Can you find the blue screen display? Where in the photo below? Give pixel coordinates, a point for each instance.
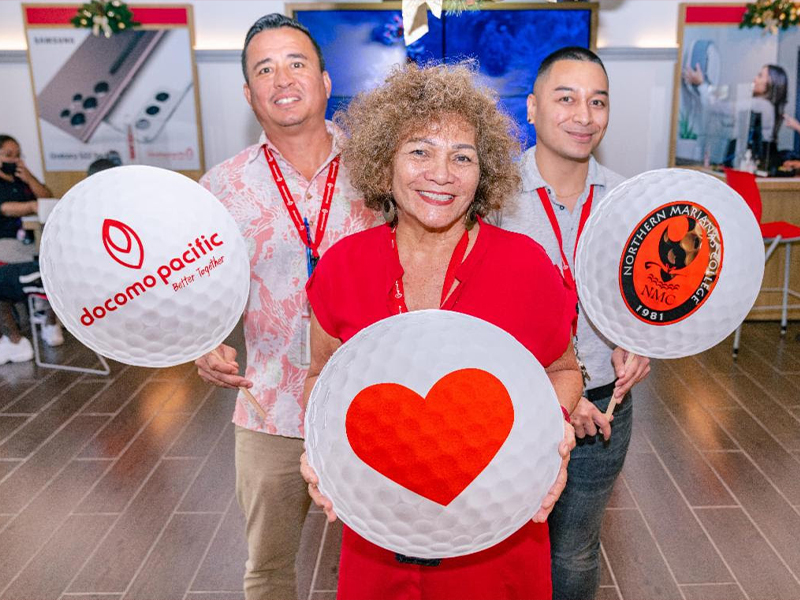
(361, 46)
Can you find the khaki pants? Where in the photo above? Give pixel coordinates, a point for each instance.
(275, 500)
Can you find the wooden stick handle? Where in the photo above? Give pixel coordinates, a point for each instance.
(614, 398)
(247, 394)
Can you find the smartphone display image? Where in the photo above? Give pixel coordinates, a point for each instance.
(151, 99)
(87, 87)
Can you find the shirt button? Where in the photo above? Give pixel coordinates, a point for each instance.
(560, 207)
(308, 196)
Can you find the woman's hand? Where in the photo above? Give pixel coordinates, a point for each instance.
(38, 188)
(312, 480)
(564, 448)
(693, 76)
(23, 174)
(220, 368)
(791, 122)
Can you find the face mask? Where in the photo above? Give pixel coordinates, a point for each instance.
(9, 168)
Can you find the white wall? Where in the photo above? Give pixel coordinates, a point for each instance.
(641, 80)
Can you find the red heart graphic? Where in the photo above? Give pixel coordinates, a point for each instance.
(437, 445)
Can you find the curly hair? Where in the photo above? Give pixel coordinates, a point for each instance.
(412, 98)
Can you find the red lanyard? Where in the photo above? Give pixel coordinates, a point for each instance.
(397, 301)
(327, 198)
(548, 208)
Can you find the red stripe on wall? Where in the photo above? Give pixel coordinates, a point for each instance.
(61, 15)
(50, 15)
(715, 14)
(160, 16)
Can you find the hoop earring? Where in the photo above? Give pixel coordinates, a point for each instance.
(389, 211)
(472, 216)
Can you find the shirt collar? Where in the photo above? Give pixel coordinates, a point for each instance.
(532, 179)
(394, 270)
(257, 150)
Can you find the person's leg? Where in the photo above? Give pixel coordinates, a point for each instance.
(578, 515)
(275, 500)
(8, 326)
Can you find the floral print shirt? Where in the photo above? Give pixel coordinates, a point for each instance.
(274, 315)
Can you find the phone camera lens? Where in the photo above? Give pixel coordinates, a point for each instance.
(77, 98)
(90, 103)
(65, 113)
(162, 96)
(78, 120)
(142, 124)
(152, 110)
(101, 88)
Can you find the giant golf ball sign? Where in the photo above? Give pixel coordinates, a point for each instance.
(434, 433)
(670, 263)
(145, 266)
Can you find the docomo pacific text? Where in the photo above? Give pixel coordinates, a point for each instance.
(196, 250)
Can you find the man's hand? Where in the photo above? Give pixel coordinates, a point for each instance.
(220, 368)
(630, 369)
(564, 448)
(313, 481)
(587, 419)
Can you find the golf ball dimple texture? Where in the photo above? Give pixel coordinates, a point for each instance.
(601, 247)
(155, 217)
(417, 350)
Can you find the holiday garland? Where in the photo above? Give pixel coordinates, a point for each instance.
(456, 7)
(108, 17)
(770, 15)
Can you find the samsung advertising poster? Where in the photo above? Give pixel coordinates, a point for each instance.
(735, 92)
(129, 96)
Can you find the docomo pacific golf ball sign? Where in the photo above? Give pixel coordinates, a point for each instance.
(670, 263)
(170, 273)
(435, 434)
(144, 266)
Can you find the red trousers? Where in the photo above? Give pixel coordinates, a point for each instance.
(517, 568)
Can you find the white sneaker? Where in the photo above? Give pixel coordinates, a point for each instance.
(52, 335)
(22, 351)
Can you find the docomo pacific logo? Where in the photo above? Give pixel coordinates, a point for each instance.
(129, 254)
(125, 247)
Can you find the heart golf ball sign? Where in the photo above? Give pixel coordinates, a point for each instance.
(435, 434)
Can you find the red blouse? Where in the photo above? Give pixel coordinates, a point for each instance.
(508, 280)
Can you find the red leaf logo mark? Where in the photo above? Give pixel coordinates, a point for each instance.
(131, 252)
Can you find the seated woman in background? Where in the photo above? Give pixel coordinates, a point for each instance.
(19, 190)
(431, 150)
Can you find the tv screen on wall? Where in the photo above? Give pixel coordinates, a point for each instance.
(362, 42)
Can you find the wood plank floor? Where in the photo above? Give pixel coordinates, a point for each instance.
(123, 487)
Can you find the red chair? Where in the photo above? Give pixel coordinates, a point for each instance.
(775, 233)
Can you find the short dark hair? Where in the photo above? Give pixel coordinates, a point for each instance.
(7, 138)
(101, 164)
(276, 21)
(568, 53)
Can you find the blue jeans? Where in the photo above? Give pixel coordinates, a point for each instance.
(576, 519)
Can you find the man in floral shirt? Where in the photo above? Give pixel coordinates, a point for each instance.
(291, 202)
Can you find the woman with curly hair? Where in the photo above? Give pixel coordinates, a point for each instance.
(431, 150)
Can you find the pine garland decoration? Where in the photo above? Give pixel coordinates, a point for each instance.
(456, 7)
(771, 15)
(106, 17)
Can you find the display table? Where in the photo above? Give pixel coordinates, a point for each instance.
(780, 200)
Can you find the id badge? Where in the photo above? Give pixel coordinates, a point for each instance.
(305, 338)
